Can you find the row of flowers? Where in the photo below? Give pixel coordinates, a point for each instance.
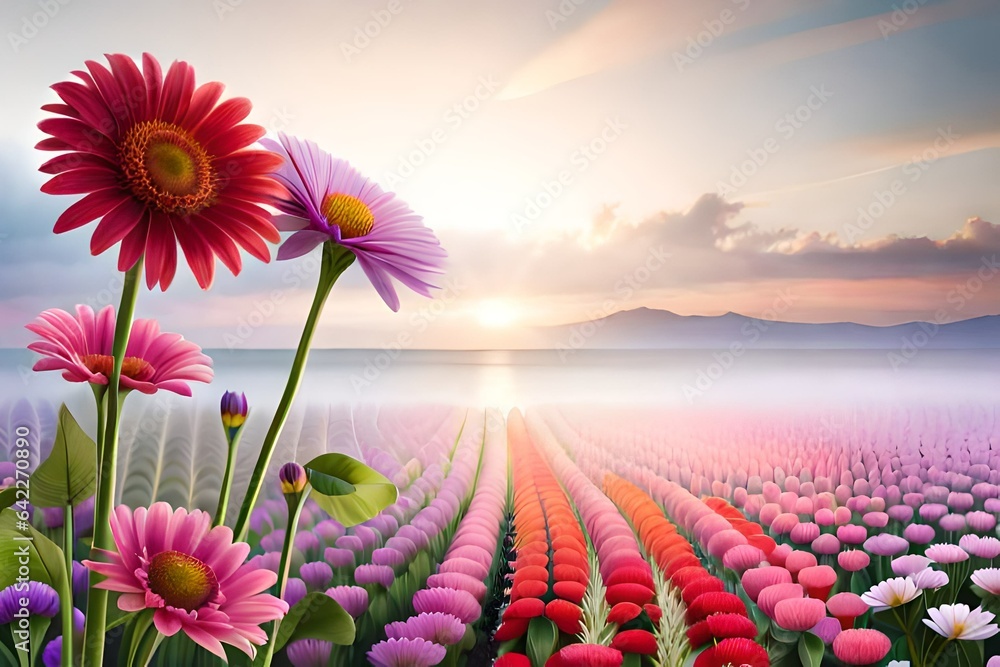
(384, 562)
(448, 611)
(711, 617)
(618, 609)
(551, 569)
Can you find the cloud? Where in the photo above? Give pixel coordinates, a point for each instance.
(713, 243)
(630, 31)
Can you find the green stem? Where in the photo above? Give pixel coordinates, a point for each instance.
(140, 642)
(227, 479)
(97, 600)
(909, 639)
(295, 505)
(336, 259)
(933, 660)
(100, 396)
(66, 604)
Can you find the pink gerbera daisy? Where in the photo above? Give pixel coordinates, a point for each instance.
(193, 575)
(161, 163)
(331, 201)
(81, 348)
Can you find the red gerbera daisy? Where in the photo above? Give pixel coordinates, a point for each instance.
(735, 651)
(635, 641)
(161, 163)
(592, 655)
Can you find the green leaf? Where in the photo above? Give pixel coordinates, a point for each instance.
(316, 616)
(23, 546)
(861, 582)
(8, 497)
(22, 646)
(811, 650)
(899, 650)
(69, 475)
(37, 627)
(7, 656)
(779, 634)
(542, 640)
(970, 654)
(347, 489)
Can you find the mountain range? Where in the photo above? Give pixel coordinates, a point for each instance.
(647, 328)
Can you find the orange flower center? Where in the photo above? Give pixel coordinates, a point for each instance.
(349, 213)
(167, 169)
(181, 580)
(132, 367)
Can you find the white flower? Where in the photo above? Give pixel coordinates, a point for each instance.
(957, 621)
(891, 593)
(899, 663)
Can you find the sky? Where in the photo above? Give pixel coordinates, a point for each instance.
(714, 155)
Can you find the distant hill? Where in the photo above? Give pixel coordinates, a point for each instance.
(646, 328)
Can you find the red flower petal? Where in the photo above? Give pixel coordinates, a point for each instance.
(531, 588)
(737, 651)
(524, 608)
(701, 585)
(512, 660)
(565, 615)
(573, 591)
(511, 629)
(635, 641)
(707, 604)
(630, 575)
(591, 655)
(569, 573)
(623, 612)
(635, 593)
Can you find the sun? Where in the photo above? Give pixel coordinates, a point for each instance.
(497, 313)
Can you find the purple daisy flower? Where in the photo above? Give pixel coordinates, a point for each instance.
(376, 574)
(42, 600)
(331, 201)
(406, 653)
(458, 603)
(353, 599)
(295, 590)
(317, 575)
(886, 544)
(437, 627)
(309, 653)
(338, 557)
(388, 556)
(52, 655)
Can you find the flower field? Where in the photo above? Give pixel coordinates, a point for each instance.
(140, 530)
(558, 537)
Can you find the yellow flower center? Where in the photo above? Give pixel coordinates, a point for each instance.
(167, 169)
(132, 367)
(957, 630)
(349, 213)
(181, 580)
